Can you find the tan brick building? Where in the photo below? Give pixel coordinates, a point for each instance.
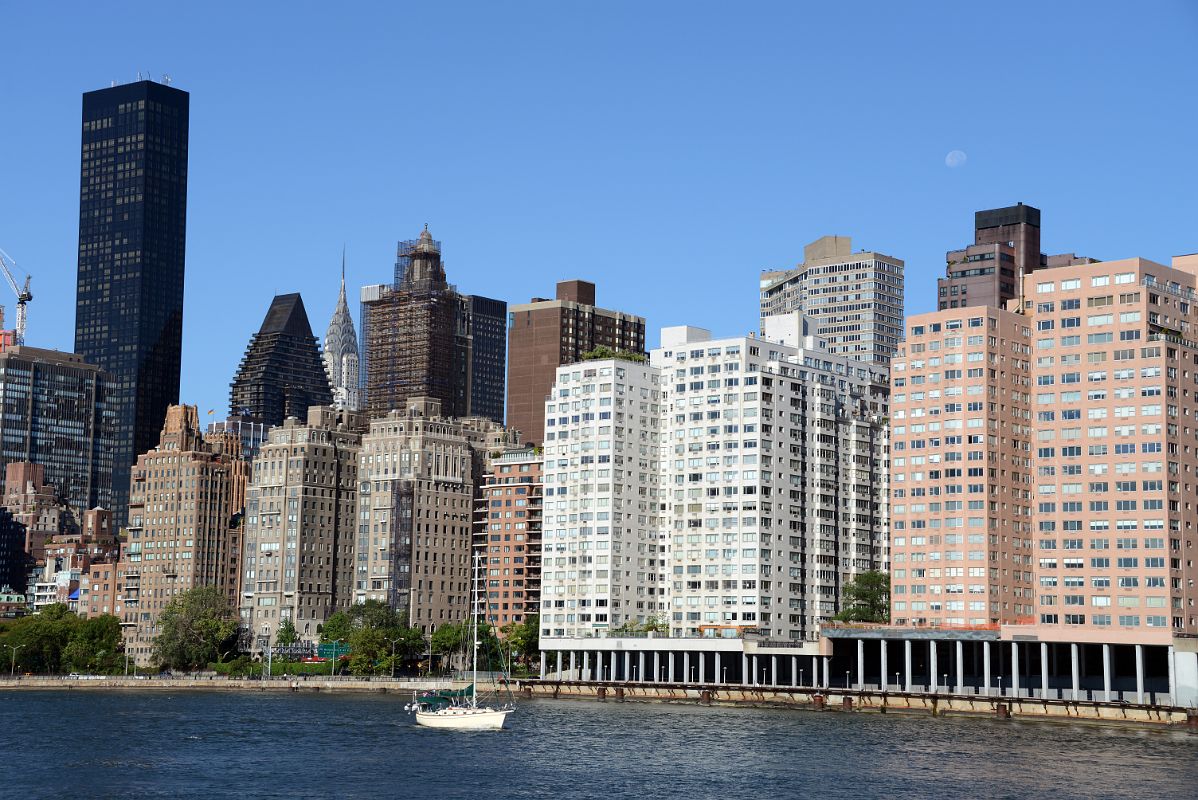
(184, 529)
(544, 334)
(508, 530)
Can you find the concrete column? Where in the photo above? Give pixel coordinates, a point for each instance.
(773, 670)
(670, 661)
(627, 665)
(1043, 669)
(1106, 671)
(1172, 659)
(611, 675)
(559, 665)
(960, 667)
(827, 671)
(542, 665)
(1074, 671)
(986, 667)
(753, 663)
(814, 671)
(885, 666)
(906, 665)
(640, 666)
(702, 667)
(718, 677)
(686, 667)
(657, 666)
(1014, 669)
(586, 666)
(861, 663)
(794, 671)
(744, 668)
(1139, 673)
(934, 664)
(574, 664)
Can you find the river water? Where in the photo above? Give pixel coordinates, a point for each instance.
(123, 744)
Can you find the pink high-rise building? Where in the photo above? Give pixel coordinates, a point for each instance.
(1046, 460)
(961, 485)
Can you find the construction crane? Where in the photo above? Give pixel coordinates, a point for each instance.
(23, 294)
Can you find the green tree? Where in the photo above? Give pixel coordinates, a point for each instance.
(95, 645)
(41, 639)
(454, 640)
(524, 638)
(286, 635)
(366, 647)
(338, 627)
(866, 598)
(603, 352)
(197, 627)
(369, 629)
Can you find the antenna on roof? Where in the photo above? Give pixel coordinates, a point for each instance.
(166, 79)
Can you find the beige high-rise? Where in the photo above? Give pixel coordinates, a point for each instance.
(300, 522)
(184, 530)
(417, 472)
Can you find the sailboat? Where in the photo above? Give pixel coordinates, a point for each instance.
(459, 710)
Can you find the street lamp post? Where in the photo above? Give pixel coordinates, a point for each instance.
(14, 647)
(800, 676)
(898, 686)
(393, 641)
(725, 675)
(944, 683)
(847, 683)
(333, 668)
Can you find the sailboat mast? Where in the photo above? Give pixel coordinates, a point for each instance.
(474, 631)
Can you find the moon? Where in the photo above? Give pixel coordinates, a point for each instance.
(955, 158)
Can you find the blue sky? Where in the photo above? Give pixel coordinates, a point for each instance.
(667, 151)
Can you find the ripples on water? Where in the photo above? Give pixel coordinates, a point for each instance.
(214, 745)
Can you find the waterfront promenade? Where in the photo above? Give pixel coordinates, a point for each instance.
(941, 703)
(205, 682)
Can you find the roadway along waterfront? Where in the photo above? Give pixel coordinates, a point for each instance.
(189, 744)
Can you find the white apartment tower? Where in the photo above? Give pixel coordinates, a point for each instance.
(775, 462)
(603, 537)
(855, 300)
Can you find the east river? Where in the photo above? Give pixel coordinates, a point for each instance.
(126, 744)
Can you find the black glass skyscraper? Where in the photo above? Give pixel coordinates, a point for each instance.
(132, 231)
(487, 319)
(282, 373)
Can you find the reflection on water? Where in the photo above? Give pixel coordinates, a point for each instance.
(213, 745)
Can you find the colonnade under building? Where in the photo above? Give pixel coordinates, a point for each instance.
(960, 663)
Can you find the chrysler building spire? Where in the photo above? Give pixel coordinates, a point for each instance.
(341, 353)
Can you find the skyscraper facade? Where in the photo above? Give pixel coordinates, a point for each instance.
(775, 474)
(415, 343)
(1088, 439)
(300, 523)
(961, 542)
(58, 413)
(282, 374)
(185, 528)
(132, 236)
(545, 334)
(1005, 249)
(487, 328)
(854, 299)
(507, 529)
(603, 562)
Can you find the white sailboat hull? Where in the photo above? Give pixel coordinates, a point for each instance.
(464, 719)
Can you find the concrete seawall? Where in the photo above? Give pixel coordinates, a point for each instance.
(278, 684)
(866, 701)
